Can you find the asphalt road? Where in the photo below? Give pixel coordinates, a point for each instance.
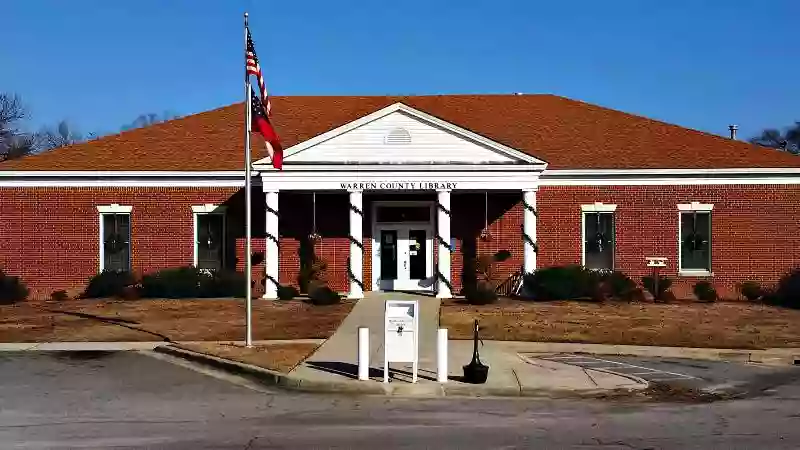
(130, 400)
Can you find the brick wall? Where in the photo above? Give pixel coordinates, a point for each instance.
(50, 236)
(755, 229)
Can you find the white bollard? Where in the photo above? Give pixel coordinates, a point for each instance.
(441, 355)
(363, 353)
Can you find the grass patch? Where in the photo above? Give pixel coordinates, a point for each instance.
(175, 320)
(278, 357)
(717, 325)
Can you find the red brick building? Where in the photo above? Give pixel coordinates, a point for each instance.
(401, 191)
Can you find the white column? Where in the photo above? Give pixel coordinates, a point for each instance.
(271, 257)
(529, 229)
(356, 274)
(443, 278)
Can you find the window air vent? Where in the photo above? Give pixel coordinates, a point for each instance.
(398, 136)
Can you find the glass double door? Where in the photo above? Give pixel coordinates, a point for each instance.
(406, 257)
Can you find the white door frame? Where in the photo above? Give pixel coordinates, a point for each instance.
(428, 284)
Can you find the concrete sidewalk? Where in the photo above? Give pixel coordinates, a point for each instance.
(511, 374)
(334, 366)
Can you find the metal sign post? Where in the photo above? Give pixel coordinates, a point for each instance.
(401, 335)
(656, 263)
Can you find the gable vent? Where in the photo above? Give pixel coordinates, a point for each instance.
(398, 136)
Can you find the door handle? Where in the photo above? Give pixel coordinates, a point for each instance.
(405, 264)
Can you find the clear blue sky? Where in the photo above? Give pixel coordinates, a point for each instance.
(698, 63)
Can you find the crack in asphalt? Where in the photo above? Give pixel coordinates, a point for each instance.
(250, 443)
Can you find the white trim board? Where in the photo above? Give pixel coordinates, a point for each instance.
(16, 179)
(695, 206)
(466, 180)
(645, 177)
(599, 207)
(209, 208)
(114, 209)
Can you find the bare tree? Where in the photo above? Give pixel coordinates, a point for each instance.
(62, 135)
(13, 142)
(146, 120)
(788, 140)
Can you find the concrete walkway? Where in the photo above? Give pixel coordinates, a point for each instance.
(339, 354)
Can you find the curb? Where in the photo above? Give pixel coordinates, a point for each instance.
(421, 390)
(265, 376)
(78, 346)
(771, 356)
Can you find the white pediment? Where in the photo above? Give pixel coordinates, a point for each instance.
(399, 134)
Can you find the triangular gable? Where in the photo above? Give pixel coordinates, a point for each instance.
(400, 134)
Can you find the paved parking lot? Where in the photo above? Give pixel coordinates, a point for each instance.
(715, 376)
(101, 400)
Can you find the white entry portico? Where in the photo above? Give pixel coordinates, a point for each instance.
(399, 149)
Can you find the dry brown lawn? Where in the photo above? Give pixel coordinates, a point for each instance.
(278, 357)
(175, 320)
(715, 325)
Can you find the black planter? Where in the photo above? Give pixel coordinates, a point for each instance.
(476, 372)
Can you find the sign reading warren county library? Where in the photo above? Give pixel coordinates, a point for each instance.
(401, 185)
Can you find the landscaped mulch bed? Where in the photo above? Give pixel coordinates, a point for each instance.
(713, 325)
(279, 357)
(176, 320)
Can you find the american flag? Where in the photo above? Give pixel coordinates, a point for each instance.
(260, 123)
(254, 68)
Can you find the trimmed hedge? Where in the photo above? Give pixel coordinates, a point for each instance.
(287, 292)
(109, 283)
(12, 289)
(664, 284)
(705, 292)
(787, 292)
(191, 282)
(482, 293)
(319, 294)
(620, 286)
(59, 296)
(751, 290)
(563, 283)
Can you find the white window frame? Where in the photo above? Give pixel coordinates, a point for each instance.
(602, 208)
(114, 208)
(705, 208)
(206, 209)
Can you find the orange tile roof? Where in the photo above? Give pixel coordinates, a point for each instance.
(568, 134)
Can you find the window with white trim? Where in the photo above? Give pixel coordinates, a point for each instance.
(209, 237)
(695, 238)
(115, 238)
(598, 236)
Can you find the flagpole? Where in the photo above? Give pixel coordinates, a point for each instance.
(248, 207)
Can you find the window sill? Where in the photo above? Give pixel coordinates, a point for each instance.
(695, 273)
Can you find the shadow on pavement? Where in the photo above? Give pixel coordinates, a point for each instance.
(113, 321)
